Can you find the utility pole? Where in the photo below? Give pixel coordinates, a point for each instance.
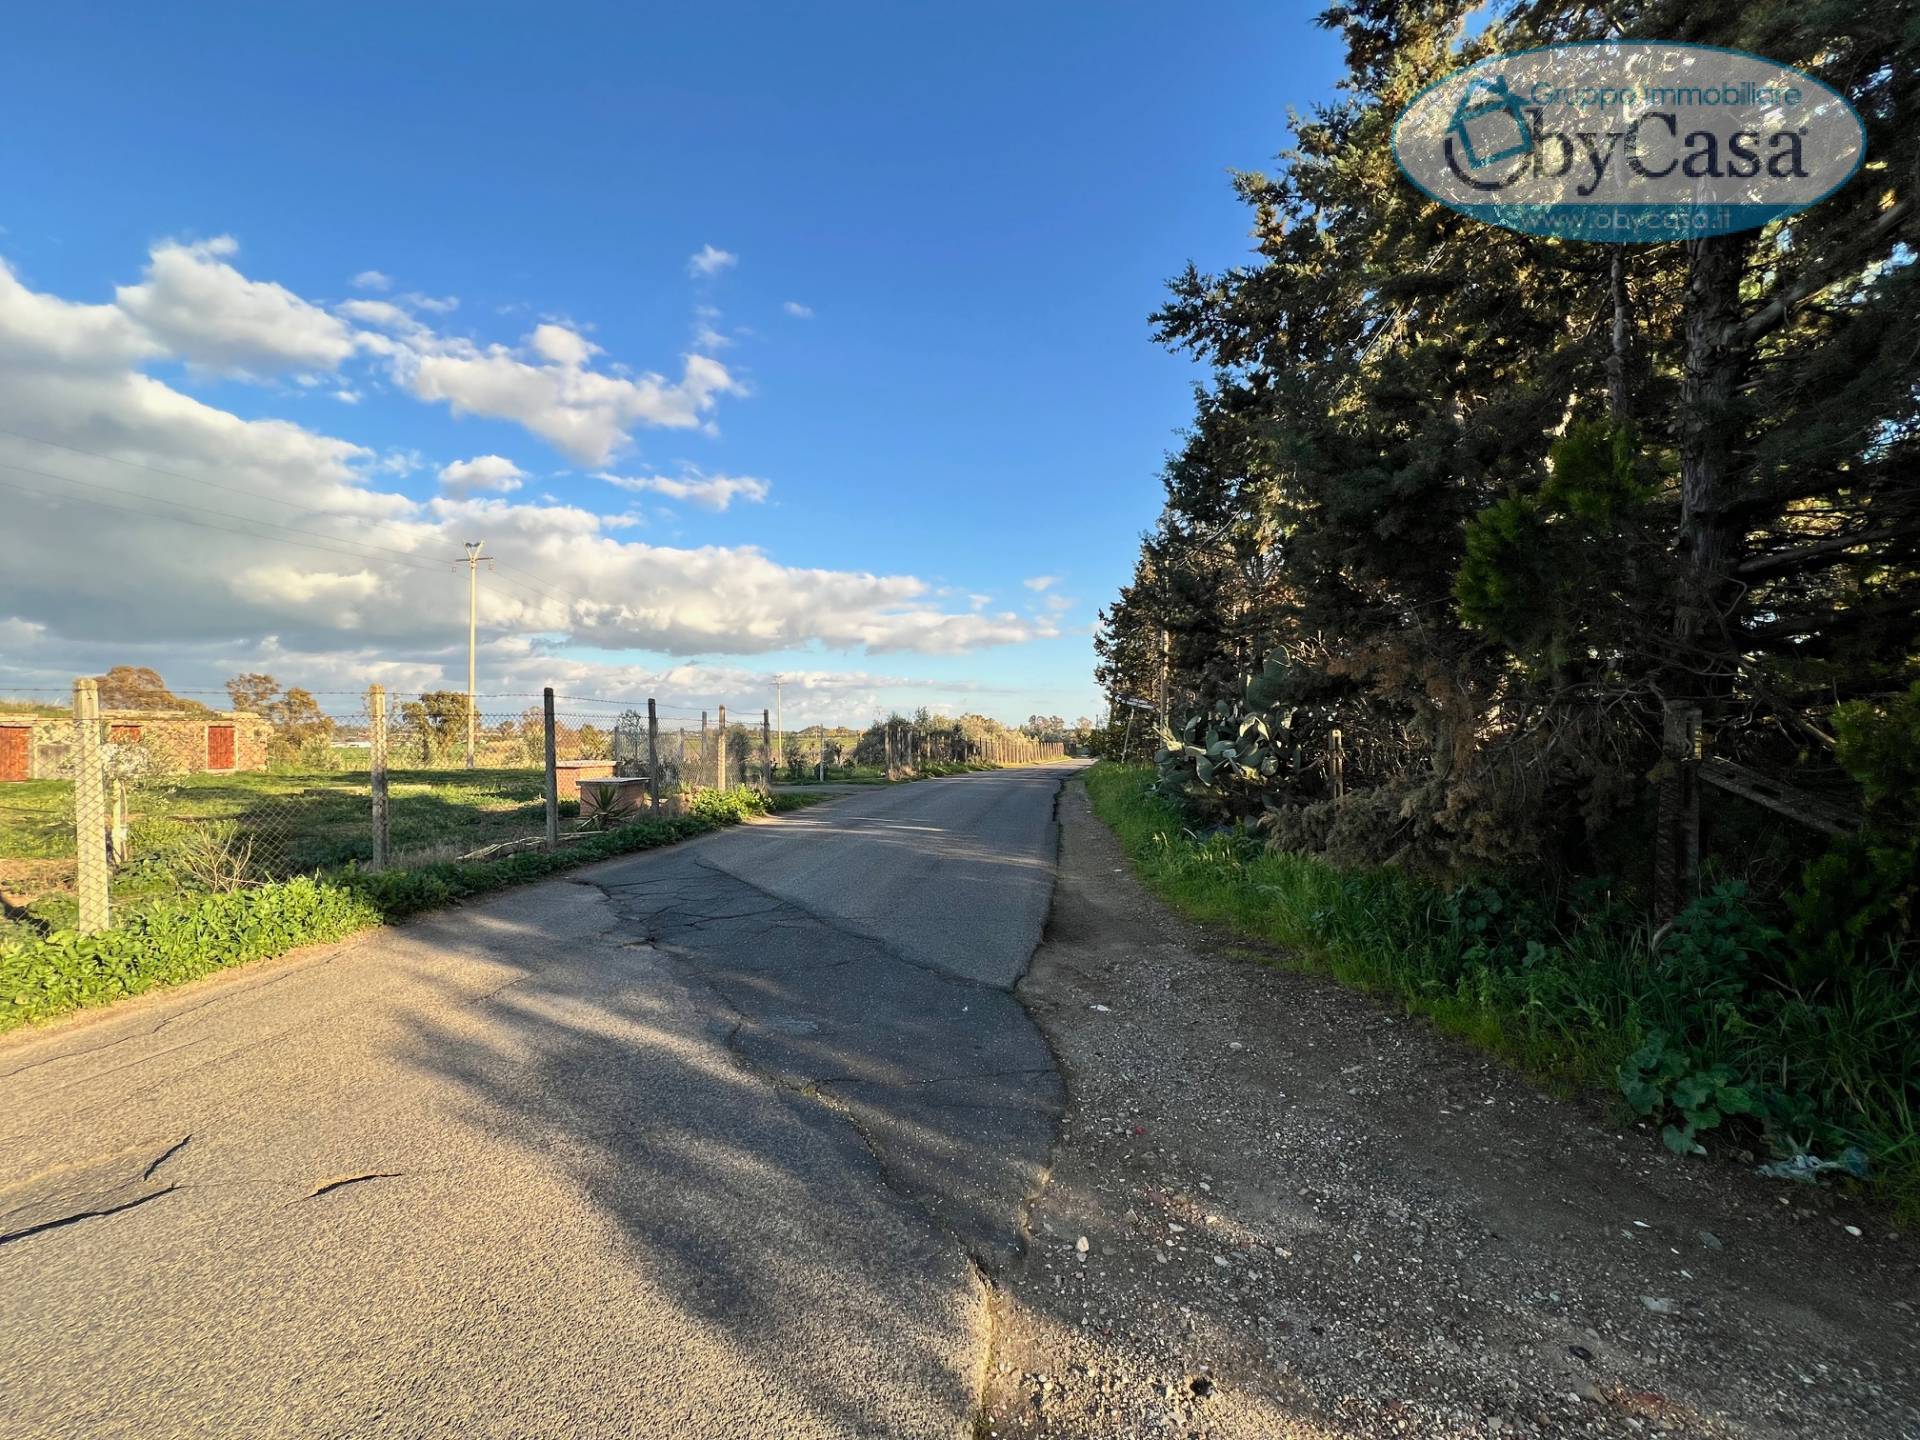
(472, 559)
(779, 745)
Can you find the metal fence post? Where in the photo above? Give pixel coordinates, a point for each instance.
(653, 756)
(377, 772)
(90, 810)
(720, 763)
(552, 747)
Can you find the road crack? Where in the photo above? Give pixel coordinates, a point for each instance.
(61, 1222)
(338, 1182)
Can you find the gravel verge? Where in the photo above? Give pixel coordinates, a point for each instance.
(1279, 1209)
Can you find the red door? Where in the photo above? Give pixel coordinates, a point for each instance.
(123, 734)
(219, 747)
(14, 741)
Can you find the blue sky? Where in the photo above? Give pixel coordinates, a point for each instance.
(934, 237)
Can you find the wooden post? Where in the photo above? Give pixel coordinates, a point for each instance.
(720, 763)
(1337, 763)
(1676, 848)
(823, 752)
(653, 757)
(766, 754)
(553, 769)
(377, 772)
(703, 748)
(90, 811)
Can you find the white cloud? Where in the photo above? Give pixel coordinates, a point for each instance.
(209, 314)
(587, 413)
(1055, 604)
(372, 280)
(709, 261)
(44, 332)
(216, 541)
(797, 310)
(483, 472)
(1040, 582)
(433, 305)
(384, 315)
(562, 346)
(715, 492)
(400, 462)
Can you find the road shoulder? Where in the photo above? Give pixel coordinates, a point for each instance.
(1278, 1209)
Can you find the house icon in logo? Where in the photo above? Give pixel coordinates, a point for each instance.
(1489, 125)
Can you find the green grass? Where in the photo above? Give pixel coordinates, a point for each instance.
(180, 937)
(287, 824)
(1570, 1002)
(306, 819)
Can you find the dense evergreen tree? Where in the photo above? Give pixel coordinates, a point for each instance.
(1501, 507)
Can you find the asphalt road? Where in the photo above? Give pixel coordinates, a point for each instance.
(708, 1142)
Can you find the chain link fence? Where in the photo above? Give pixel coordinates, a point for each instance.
(110, 808)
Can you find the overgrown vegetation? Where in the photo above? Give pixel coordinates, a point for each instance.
(1503, 510)
(1706, 1035)
(181, 938)
(1499, 566)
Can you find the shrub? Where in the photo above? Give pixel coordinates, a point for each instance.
(172, 941)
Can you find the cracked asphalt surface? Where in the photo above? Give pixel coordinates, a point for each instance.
(714, 1140)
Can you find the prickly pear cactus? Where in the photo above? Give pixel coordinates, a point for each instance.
(1226, 759)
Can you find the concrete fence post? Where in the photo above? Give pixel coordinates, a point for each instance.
(720, 758)
(377, 772)
(653, 757)
(766, 753)
(701, 771)
(90, 810)
(551, 746)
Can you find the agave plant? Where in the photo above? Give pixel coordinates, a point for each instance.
(607, 803)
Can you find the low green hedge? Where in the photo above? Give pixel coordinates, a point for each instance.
(181, 939)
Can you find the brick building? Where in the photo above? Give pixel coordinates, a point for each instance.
(38, 746)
